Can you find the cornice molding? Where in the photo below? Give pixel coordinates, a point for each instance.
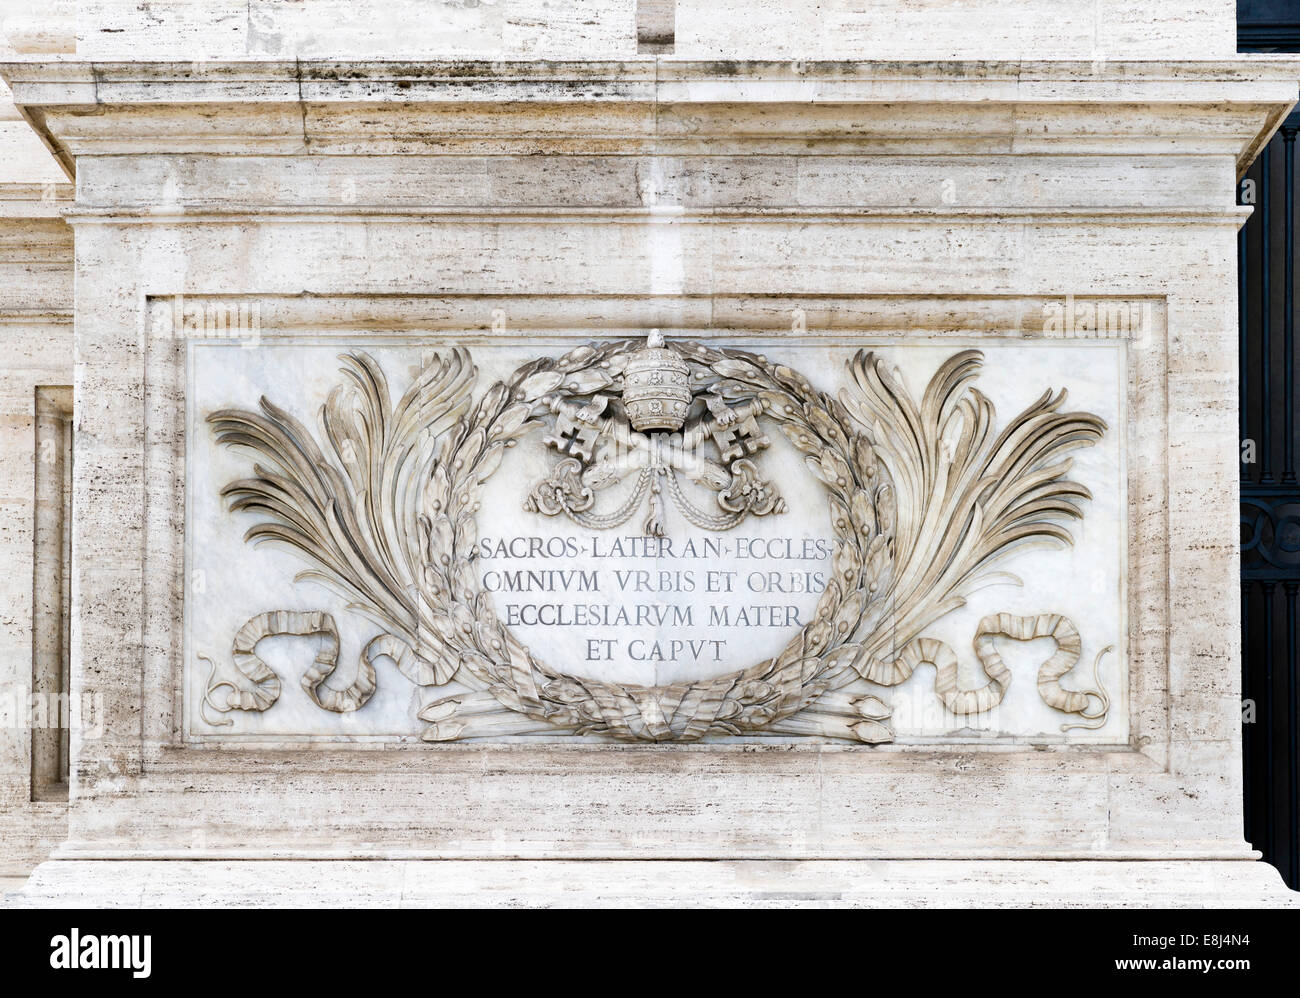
(659, 78)
(576, 318)
(660, 105)
(35, 316)
(424, 214)
(24, 201)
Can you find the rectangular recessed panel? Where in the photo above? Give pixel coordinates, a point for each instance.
(447, 537)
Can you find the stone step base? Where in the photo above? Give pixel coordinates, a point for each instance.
(652, 883)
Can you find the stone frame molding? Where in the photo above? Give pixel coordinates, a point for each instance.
(959, 319)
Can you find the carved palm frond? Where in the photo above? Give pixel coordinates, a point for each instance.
(965, 497)
(354, 512)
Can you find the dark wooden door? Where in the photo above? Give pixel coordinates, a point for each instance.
(1270, 494)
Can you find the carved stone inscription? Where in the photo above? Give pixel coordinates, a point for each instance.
(655, 609)
(649, 539)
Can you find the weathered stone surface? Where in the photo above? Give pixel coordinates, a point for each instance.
(36, 332)
(560, 883)
(529, 205)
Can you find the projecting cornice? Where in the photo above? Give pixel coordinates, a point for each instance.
(657, 105)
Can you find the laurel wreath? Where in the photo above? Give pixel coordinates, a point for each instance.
(837, 450)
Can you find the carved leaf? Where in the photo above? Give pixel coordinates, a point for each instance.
(872, 732)
(541, 383)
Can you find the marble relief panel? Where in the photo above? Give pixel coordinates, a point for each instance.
(656, 539)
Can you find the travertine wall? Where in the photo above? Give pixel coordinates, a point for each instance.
(374, 200)
(394, 29)
(967, 29)
(36, 337)
(1093, 30)
(770, 225)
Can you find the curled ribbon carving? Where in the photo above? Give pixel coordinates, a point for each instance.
(424, 668)
(266, 684)
(931, 651)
